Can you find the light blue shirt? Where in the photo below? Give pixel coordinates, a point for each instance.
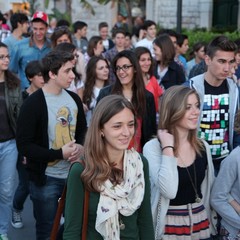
(10, 42)
(23, 52)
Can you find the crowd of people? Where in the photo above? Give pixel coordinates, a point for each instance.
(151, 136)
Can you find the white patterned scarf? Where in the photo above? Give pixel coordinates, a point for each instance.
(125, 198)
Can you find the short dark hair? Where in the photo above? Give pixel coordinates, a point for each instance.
(117, 31)
(65, 46)
(63, 22)
(148, 23)
(59, 32)
(78, 25)
(53, 61)
(33, 68)
(18, 18)
(169, 32)
(102, 25)
(181, 38)
(221, 43)
(128, 34)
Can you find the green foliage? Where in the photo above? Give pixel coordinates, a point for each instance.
(58, 15)
(202, 35)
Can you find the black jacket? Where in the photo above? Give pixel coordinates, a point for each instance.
(149, 118)
(32, 134)
(174, 75)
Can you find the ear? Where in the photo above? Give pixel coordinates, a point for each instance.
(52, 75)
(207, 60)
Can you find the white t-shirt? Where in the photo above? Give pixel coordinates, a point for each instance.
(146, 43)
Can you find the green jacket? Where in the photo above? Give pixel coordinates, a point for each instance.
(138, 226)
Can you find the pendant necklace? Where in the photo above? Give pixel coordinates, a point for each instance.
(194, 184)
(121, 224)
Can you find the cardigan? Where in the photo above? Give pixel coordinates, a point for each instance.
(149, 117)
(32, 134)
(138, 226)
(164, 185)
(225, 189)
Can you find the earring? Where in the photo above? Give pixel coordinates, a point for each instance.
(102, 135)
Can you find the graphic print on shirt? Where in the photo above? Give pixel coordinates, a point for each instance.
(214, 124)
(64, 130)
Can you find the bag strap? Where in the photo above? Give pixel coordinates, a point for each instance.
(61, 204)
(85, 214)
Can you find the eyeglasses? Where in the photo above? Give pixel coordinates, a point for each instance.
(124, 68)
(2, 57)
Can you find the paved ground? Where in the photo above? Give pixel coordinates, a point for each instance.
(28, 230)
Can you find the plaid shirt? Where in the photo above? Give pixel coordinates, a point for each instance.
(4, 34)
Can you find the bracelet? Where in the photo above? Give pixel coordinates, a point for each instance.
(167, 147)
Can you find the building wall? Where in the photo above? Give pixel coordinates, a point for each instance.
(195, 13)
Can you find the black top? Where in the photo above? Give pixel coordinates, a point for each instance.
(174, 75)
(186, 193)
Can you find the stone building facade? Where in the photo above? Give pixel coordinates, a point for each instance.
(195, 13)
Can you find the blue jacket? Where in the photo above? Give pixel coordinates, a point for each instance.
(25, 51)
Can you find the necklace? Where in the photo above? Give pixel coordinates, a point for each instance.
(121, 224)
(194, 184)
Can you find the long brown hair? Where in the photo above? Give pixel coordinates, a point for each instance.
(172, 109)
(138, 88)
(11, 80)
(97, 165)
(168, 50)
(91, 77)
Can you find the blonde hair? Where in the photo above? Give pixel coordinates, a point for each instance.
(172, 109)
(97, 166)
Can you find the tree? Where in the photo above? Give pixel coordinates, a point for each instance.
(87, 5)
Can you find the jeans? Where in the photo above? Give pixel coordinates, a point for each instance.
(22, 190)
(45, 203)
(8, 160)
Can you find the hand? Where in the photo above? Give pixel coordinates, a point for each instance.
(24, 161)
(142, 34)
(85, 108)
(77, 153)
(68, 149)
(236, 206)
(165, 138)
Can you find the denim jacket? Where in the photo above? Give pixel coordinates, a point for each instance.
(23, 52)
